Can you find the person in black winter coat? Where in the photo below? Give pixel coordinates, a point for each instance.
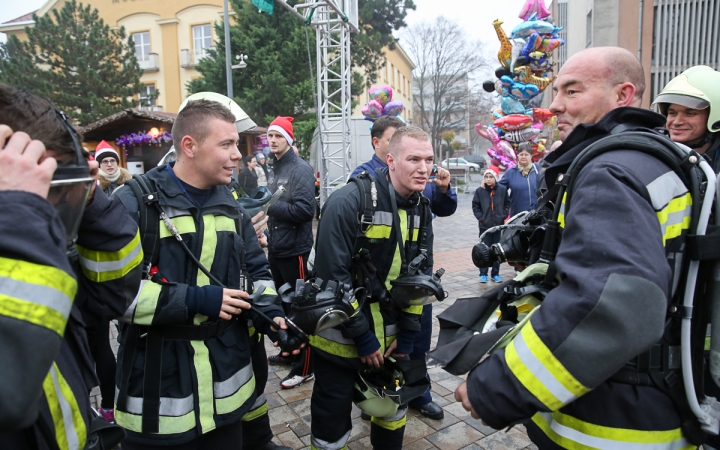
(248, 178)
(490, 206)
(290, 225)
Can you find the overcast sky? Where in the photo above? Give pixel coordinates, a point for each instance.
(475, 17)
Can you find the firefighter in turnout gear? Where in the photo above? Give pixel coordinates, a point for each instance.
(66, 251)
(349, 252)
(185, 377)
(576, 375)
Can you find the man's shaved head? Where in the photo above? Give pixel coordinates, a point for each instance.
(592, 83)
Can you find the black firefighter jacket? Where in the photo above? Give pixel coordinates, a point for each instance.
(41, 314)
(336, 245)
(491, 206)
(290, 218)
(207, 383)
(622, 235)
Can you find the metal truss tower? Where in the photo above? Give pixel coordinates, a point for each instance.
(333, 21)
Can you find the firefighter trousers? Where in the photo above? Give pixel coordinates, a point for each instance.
(256, 423)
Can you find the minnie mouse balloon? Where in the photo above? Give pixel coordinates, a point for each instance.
(372, 110)
(382, 94)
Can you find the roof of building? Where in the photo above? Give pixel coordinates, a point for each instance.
(23, 18)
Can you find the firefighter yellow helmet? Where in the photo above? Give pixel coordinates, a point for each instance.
(696, 88)
(243, 122)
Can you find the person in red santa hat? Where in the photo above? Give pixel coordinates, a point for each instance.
(111, 175)
(290, 226)
(490, 206)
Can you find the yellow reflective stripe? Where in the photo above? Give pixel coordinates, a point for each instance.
(675, 217)
(168, 425)
(101, 266)
(223, 223)
(255, 413)
(39, 275)
(70, 429)
(572, 433)
(534, 365)
(417, 310)
(229, 404)
(395, 267)
(201, 358)
(184, 225)
(39, 315)
(379, 324)
(234, 194)
(561, 213)
(209, 244)
(334, 348)
(392, 425)
(378, 232)
(147, 303)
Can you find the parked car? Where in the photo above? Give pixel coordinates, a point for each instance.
(477, 159)
(460, 163)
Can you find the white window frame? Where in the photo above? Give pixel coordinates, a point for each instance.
(147, 95)
(143, 45)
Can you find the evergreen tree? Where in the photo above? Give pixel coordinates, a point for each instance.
(276, 81)
(76, 60)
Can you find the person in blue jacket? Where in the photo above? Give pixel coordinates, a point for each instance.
(521, 181)
(443, 203)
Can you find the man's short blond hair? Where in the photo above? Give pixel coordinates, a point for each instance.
(411, 132)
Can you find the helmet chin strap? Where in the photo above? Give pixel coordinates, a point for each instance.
(704, 140)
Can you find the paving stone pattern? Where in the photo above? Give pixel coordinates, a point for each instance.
(289, 410)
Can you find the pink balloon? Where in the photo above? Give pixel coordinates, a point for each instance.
(372, 110)
(506, 148)
(382, 94)
(536, 7)
(393, 108)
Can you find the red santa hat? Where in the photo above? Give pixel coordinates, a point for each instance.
(105, 150)
(283, 125)
(494, 171)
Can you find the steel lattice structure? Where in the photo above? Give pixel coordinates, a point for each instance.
(333, 21)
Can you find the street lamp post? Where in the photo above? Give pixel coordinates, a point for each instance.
(228, 69)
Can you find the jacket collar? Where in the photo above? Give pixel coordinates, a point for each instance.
(287, 159)
(220, 200)
(585, 134)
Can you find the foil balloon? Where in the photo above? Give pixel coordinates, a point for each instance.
(533, 25)
(393, 108)
(539, 61)
(382, 94)
(548, 45)
(511, 105)
(498, 113)
(499, 160)
(528, 134)
(526, 76)
(542, 114)
(505, 52)
(534, 8)
(372, 110)
(513, 122)
(532, 43)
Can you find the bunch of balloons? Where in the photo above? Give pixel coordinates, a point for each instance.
(526, 70)
(382, 104)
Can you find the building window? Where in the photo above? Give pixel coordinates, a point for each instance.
(588, 29)
(142, 45)
(147, 96)
(202, 37)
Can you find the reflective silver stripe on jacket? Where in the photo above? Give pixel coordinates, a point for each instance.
(130, 313)
(169, 407)
(665, 188)
(383, 218)
(37, 294)
(259, 401)
(71, 433)
(109, 266)
(336, 336)
(222, 389)
(268, 284)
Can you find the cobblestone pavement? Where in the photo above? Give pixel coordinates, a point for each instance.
(289, 410)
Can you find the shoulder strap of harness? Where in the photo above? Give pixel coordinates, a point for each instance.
(146, 193)
(362, 268)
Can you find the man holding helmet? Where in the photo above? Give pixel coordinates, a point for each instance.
(385, 254)
(76, 234)
(687, 102)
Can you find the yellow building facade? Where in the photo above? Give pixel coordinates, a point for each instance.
(170, 37)
(397, 74)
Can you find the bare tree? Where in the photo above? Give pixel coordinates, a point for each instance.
(444, 61)
(481, 108)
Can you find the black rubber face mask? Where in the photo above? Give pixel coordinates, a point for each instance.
(70, 186)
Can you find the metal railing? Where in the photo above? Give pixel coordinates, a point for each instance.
(150, 63)
(190, 58)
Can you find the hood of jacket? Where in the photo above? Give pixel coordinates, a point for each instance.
(124, 176)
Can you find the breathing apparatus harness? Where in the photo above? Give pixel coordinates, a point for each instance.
(151, 213)
(412, 287)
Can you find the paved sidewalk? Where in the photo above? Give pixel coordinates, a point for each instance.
(290, 409)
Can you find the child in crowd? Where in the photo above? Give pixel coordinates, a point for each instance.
(490, 206)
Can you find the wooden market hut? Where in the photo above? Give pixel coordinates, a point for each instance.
(133, 120)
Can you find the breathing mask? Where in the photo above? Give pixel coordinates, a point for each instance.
(415, 288)
(317, 305)
(70, 186)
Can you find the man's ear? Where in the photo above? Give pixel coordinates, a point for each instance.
(188, 146)
(626, 94)
(375, 143)
(390, 160)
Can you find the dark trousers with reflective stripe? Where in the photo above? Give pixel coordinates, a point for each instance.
(256, 432)
(420, 348)
(288, 270)
(331, 405)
